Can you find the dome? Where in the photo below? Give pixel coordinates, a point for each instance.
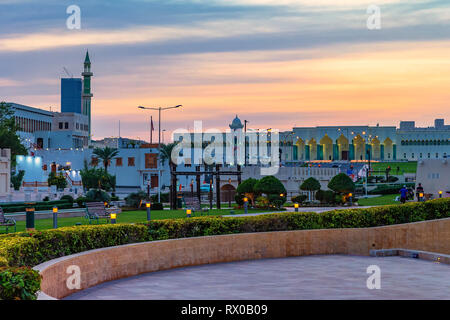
(236, 124)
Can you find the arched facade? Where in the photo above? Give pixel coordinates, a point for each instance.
(343, 148)
(327, 148)
(300, 144)
(312, 144)
(359, 145)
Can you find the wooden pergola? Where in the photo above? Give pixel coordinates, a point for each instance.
(217, 173)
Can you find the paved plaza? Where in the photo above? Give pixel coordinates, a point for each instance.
(309, 277)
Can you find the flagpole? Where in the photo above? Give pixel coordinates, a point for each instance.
(151, 129)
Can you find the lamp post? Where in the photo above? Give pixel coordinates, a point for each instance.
(159, 140)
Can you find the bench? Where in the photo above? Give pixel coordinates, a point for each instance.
(6, 222)
(96, 211)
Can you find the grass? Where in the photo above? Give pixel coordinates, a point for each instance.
(128, 217)
(405, 167)
(379, 201)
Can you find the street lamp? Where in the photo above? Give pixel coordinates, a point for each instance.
(159, 139)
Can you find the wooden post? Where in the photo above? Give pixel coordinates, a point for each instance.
(218, 186)
(197, 177)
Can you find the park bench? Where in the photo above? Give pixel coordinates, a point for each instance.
(96, 211)
(6, 222)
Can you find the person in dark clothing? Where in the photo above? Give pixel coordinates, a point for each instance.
(419, 190)
(403, 194)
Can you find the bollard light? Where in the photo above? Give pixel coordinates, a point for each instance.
(55, 217)
(281, 195)
(421, 195)
(188, 213)
(245, 199)
(148, 206)
(440, 193)
(296, 207)
(106, 204)
(350, 194)
(113, 217)
(245, 205)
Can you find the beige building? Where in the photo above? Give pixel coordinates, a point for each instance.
(5, 172)
(434, 175)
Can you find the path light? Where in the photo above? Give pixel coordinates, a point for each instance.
(296, 207)
(55, 217)
(148, 206)
(245, 205)
(281, 195)
(440, 193)
(113, 218)
(188, 213)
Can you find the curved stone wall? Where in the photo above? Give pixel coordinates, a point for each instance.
(101, 265)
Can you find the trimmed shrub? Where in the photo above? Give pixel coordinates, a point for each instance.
(97, 195)
(135, 198)
(326, 196)
(299, 199)
(19, 284)
(341, 183)
(164, 197)
(67, 198)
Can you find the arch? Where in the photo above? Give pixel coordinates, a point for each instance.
(376, 149)
(327, 145)
(359, 144)
(300, 149)
(312, 143)
(388, 149)
(343, 147)
(227, 192)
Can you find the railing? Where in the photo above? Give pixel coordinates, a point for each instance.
(34, 184)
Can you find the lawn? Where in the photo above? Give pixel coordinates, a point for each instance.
(405, 167)
(379, 201)
(129, 217)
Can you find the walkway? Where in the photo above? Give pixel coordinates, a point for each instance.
(311, 277)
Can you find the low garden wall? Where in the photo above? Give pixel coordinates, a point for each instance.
(353, 231)
(108, 264)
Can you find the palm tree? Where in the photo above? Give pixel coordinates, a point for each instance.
(106, 155)
(166, 153)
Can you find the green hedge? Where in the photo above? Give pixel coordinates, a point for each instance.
(19, 283)
(39, 206)
(32, 248)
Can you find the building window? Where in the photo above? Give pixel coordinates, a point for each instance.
(151, 160)
(421, 155)
(66, 125)
(412, 155)
(78, 126)
(437, 155)
(429, 155)
(60, 125)
(404, 155)
(118, 162)
(131, 161)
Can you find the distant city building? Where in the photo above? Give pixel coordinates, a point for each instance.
(68, 129)
(71, 89)
(359, 143)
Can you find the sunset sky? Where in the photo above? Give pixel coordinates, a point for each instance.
(276, 63)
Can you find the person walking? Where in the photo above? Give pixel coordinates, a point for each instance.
(419, 190)
(403, 194)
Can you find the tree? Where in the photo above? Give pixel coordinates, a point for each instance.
(57, 180)
(9, 138)
(166, 152)
(311, 184)
(106, 155)
(247, 189)
(273, 188)
(342, 184)
(97, 178)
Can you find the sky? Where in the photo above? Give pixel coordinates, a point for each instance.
(276, 63)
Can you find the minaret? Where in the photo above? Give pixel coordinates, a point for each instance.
(87, 95)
